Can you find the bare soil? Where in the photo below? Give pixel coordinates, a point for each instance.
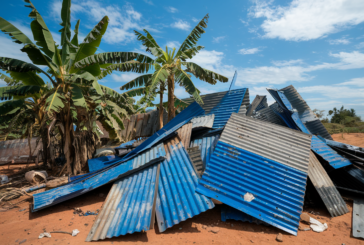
(356, 139)
(18, 226)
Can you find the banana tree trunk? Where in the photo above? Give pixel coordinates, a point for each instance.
(171, 110)
(44, 135)
(161, 108)
(68, 139)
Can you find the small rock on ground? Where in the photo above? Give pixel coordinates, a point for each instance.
(214, 229)
(279, 237)
(204, 226)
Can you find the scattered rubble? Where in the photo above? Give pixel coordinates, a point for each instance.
(255, 145)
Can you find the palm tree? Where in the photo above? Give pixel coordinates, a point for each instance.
(171, 67)
(73, 71)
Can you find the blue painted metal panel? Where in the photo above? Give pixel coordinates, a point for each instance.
(128, 207)
(335, 160)
(129, 143)
(92, 181)
(206, 146)
(233, 176)
(230, 103)
(101, 162)
(328, 154)
(181, 119)
(285, 115)
(177, 199)
(228, 212)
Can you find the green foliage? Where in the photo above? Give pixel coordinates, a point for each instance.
(344, 116)
(170, 65)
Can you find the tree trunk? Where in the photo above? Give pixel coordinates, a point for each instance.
(161, 108)
(44, 135)
(68, 139)
(171, 110)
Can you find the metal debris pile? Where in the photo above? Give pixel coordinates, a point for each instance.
(256, 159)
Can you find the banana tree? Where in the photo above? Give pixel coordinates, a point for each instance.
(171, 67)
(25, 111)
(72, 69)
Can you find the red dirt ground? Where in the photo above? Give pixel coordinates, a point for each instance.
(16, 225)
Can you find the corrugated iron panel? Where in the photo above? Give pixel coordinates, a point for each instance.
(328, 154)
(203, 121)
(209, 100)
(285, 115)
(316, 127)
(305, 113)
(177, 199)
(206, 146)
(263, 188)
(255, 184)
(88, 182)
(245, 104)
(181, 119)
(129, 206)
(229, 104)
(18, 150)
(268, 115)
(184, 134)
(281, 144)
(356, 150)
(358, 218)
(259, 102)
(325, 188)
(195, 156)
(228, 212)
(349, 179)
(101, 162)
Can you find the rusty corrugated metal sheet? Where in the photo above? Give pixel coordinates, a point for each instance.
(259, 102)
(184, 133)
(325, 188)
(205, 121)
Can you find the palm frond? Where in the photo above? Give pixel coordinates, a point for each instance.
(194, 36)
(204, 74)
(149, 42)
(137, 82)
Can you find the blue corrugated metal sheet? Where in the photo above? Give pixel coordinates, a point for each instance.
(206, 146)
(181, 119)
(317, 145)
(228, 212)
(91, 181)
(177, 199)
(128, 207)
(233, 175)
(101, 162)
(230, 103)
(284, 114)
(328, 154)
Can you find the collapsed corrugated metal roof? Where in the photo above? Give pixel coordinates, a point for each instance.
(205, 121)
(292, 119)
(181, 119)
(259, 103)
(88, 182)
(177, 199)
(230, 103)
(268, 115)
(129, 206)
(268, 184)
(328, 154)
(228, 212)
(305, 113)
(184, 134)
(206, 146)
(209, 100)
(325, 188)
(95, 164)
